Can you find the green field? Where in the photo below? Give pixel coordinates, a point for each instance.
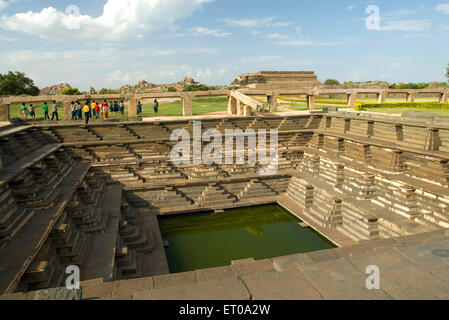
(199, 105)
(303, 106)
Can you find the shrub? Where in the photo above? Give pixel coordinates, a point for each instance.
(331, 82)
(324, 101)
(423, 105)
(410, 86)
(358, 106)
(107, 91)
(70, 92)
(171, 89)
(196, 87)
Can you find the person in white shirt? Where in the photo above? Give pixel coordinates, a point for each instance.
(73, 107)
(54, 111)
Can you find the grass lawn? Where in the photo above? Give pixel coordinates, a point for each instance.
(14, 110)
(199, 105)
(400, 110)
(301, 106)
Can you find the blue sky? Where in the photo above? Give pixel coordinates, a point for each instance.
(108, 43)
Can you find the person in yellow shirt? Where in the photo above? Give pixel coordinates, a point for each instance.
(92, 108)
(86, 110)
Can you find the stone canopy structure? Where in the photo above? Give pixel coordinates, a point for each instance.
(277, 80)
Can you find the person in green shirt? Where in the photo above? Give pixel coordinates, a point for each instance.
(24, 111)
(46, 115)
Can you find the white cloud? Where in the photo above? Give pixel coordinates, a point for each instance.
(120, 20)
(351, 7)
(256, 23)
(118, 76)
(5, 3)
(7, 39)
(277, 36)
(200, 31)
(314, 43)
(443, 8)
(108, 67)
(204, 74)
(399, 13)
(406, 25)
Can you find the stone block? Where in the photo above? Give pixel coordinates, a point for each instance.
(289, 285)
(123, 288)
(173, 280)
(255, 267)
(58, 294)
(204, 290)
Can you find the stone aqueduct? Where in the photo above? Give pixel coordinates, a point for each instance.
(240, 102)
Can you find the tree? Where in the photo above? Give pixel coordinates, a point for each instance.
(70, 92)
(171, 89)
(107, 91)
(410, 86)
(16, 84)
(331, 82)
(194, 87)
(447, 72)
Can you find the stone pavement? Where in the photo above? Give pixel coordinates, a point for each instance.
(412, 267)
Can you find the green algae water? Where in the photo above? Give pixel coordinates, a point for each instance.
(206, 240)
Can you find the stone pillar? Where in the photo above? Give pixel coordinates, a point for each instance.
(187, 104)
(310, 102)
(4, 112)
(381, 97)
(272, 101)
(352, 99)
(411, 97)
(232, 105)
(67, 110)
(132, 110)
(443, 97)
(247, 111)
(240, 107)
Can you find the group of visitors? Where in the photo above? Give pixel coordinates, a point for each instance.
(155, 107)
(90, 110)
(32, 112)
(95, 110)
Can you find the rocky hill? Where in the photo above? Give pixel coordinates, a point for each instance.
(145, 86)
(56, 89)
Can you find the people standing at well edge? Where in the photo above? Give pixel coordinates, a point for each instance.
(92, 109)
(73, 107)
(122, 108)
(24, 110)
(156, 106)
(139, 108)
(87, 111)
(97, 110)
(54, 111)
(79, 110)
(32, 112)
(45, 108)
